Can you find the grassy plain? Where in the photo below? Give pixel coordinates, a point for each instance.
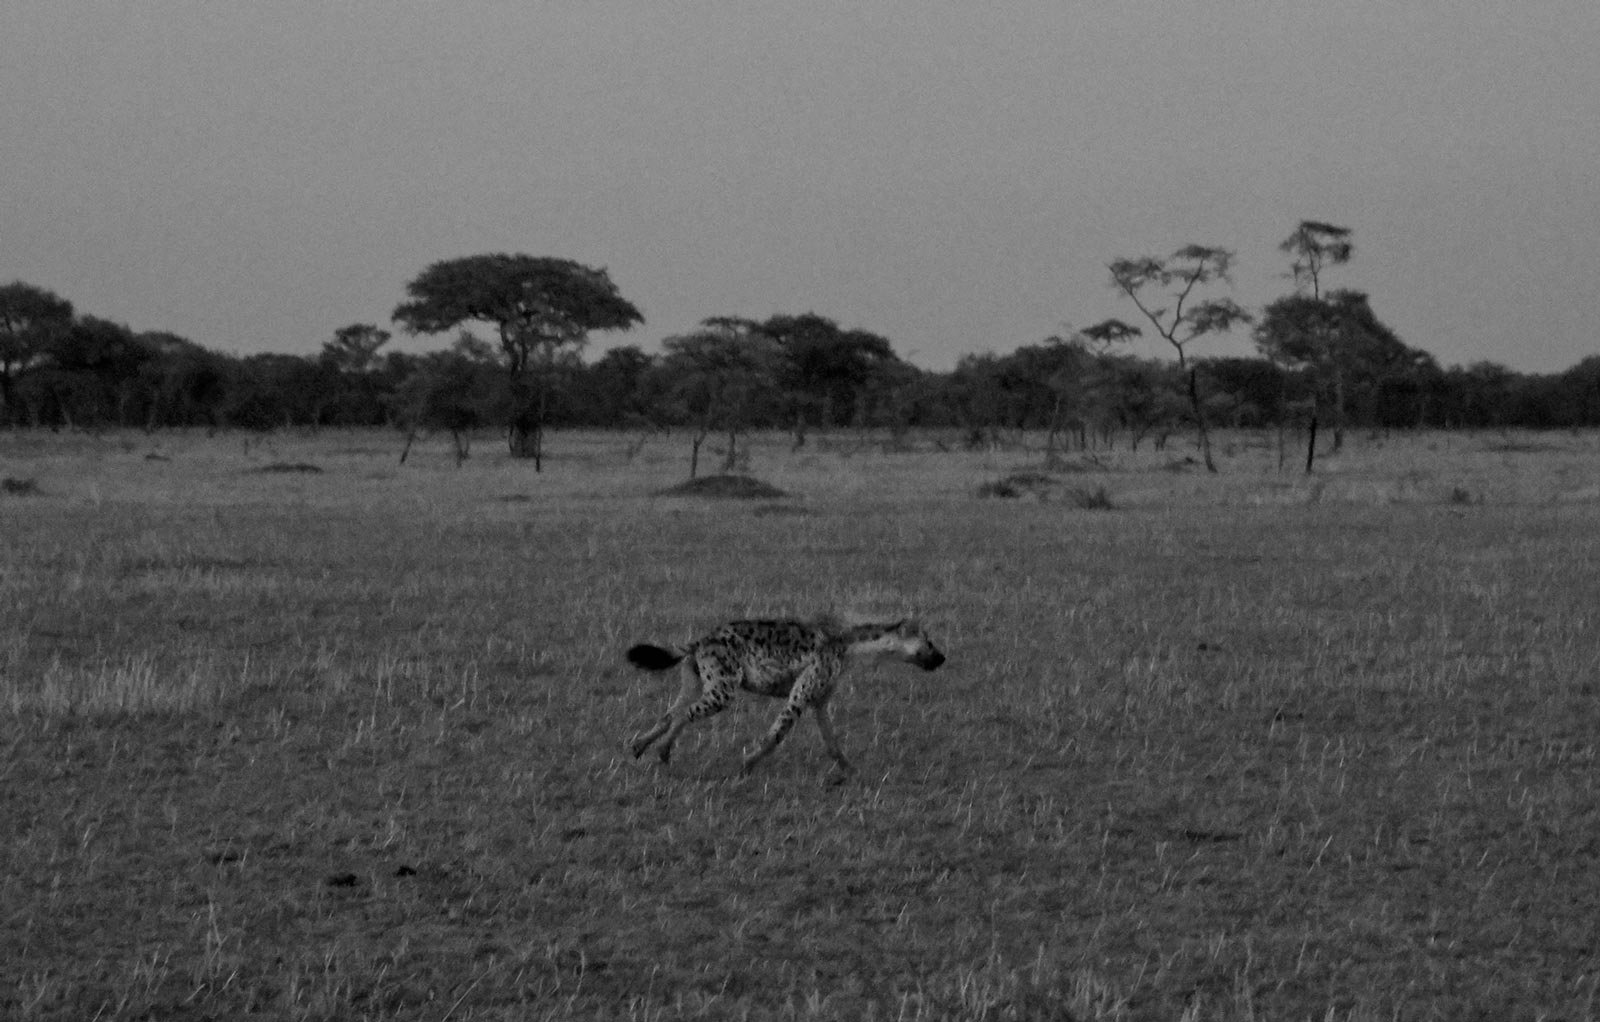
(348, 744)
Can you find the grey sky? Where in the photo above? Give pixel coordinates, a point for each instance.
(953, 176)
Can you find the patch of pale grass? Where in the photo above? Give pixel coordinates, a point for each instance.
(135, 683)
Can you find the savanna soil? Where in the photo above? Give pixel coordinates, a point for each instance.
(348, 743)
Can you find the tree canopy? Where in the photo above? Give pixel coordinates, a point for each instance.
(1312, 246)
(1147, 279)
(536, 304)
(29, 318)
(529, 299)
(829, 374)
(723, 374)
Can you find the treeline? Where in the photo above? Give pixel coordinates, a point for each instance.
(1326, 356)
(95, 373)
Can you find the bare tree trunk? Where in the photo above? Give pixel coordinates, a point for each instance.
(8, 397)
(1283, 415)
(1338, 409)
(1311, 442)
(1200, 420)
(542, 409)
(694, 451)
(411, 438)
(524, 441)
(526, 435)
(1050, 455)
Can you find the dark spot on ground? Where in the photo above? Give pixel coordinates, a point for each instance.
(289, 467)
(733, 487)
(19, 487)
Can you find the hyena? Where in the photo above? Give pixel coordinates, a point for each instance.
(798, 661)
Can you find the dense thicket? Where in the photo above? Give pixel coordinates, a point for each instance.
(797, 373)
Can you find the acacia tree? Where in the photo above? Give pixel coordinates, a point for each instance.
(1062, 369)
(450, 391)
(182, 382)
(1312, 247)
(828, 372)
(1178, 276)
(616, 390)
(1307, 330)
(352, 348)
(1340, 343)
(537, 305)
(348, 381)
(1096, 384)
(88, 374)
(1145, 395)
(723, 374)
(30, 317)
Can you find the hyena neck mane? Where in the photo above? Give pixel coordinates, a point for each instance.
(865, 638)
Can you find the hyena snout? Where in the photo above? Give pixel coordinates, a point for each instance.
(928, 657)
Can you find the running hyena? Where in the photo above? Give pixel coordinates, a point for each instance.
(799, 661)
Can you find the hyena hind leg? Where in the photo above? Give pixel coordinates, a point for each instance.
(645, 740)
(713, 702)
(688, 689)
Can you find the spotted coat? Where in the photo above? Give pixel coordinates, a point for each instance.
(797, 661)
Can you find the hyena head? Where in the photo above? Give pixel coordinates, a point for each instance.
(902, 640)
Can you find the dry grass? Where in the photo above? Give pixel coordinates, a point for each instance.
(727, 487)
(349, 744)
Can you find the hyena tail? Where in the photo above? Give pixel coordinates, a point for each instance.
(654, 658)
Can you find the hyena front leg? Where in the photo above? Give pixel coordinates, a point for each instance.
(831, 740)
(808, 690)
(786, 717)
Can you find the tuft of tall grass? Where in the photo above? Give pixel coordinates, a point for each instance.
(137, 682)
